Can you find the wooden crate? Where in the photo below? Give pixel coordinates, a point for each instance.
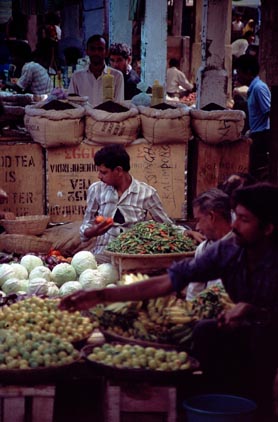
(131, 400)
(32, 404)
(146, 264)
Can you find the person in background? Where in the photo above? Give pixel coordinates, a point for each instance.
(177, 83)
(258, 103)
(88, 82)
(120, 58)
(212, 213)
(34, 78)
(120, 196)
(237, 27)
(238, 348)
(250, 26)
(136, 65)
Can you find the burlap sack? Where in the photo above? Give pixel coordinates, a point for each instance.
(217, 126)
(55, 128)
(103, 127)
(165, 126)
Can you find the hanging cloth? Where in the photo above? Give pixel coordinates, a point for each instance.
(5, 11)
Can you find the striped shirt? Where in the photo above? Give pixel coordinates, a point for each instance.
(35, 79)
(84, 83)
(134, 205)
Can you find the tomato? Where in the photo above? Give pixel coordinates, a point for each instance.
(99, 219)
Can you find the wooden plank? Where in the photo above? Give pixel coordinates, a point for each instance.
(138, 398)
(13, 409)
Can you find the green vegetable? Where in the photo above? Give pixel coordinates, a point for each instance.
(150, 237)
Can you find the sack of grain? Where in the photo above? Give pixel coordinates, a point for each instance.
(218, 125)
(55, 123)
(168, 125)
(111, 122)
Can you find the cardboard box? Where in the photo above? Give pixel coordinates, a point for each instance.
(22, 176)
(71, 170)
(211, 164)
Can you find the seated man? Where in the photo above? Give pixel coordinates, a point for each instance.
(177, 83)
(120, 196)
(212, 212)
(34, 78)
(120, 59)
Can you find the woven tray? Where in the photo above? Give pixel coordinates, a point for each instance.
(30, 224)
(22, 244)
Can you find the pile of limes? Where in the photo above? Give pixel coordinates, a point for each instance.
(137, 356)
(35, 314)
(34, 350)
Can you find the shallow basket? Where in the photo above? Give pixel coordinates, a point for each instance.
(23, 244)
(30, 224)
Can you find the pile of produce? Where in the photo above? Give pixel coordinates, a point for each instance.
(210, 302)
(38, 315)
(26, 350)
(137, 356)
(53, 275)
(150, 237)
(167, 320)
(164, 320)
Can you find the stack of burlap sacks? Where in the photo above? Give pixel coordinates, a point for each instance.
(175, 125)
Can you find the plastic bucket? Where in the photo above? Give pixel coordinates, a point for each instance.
(219, 408)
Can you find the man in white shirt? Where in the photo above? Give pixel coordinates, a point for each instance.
(177, 83)
(88, 82)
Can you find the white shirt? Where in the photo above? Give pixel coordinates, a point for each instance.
(176, 80)
(84, 83)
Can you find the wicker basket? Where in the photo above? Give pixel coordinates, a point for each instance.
(31, 224)
(22, 244)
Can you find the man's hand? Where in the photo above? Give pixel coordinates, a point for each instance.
(80, 300)
(99, 227)
(235, 316)
(197, 236)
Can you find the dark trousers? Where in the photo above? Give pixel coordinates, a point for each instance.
(259, 155)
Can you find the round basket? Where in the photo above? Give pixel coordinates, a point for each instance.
(22, 244)
(28, 224)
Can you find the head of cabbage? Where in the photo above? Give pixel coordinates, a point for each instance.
(6, 272)
(30, 262)
(92, 279)
(15, 285)
(110, 273)
(69, 287)
(62, 273)
(40, 271)
(38, 286)
(83, 260)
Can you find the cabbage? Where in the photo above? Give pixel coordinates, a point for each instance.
(40, 271)
(52, 289)
(91, 279)
(70, 287)
(63, 272)
(82, 261)
(30, 262)
(14, 285)
(6, 272)
(109, 272)
(20, 271)
(38, 286)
